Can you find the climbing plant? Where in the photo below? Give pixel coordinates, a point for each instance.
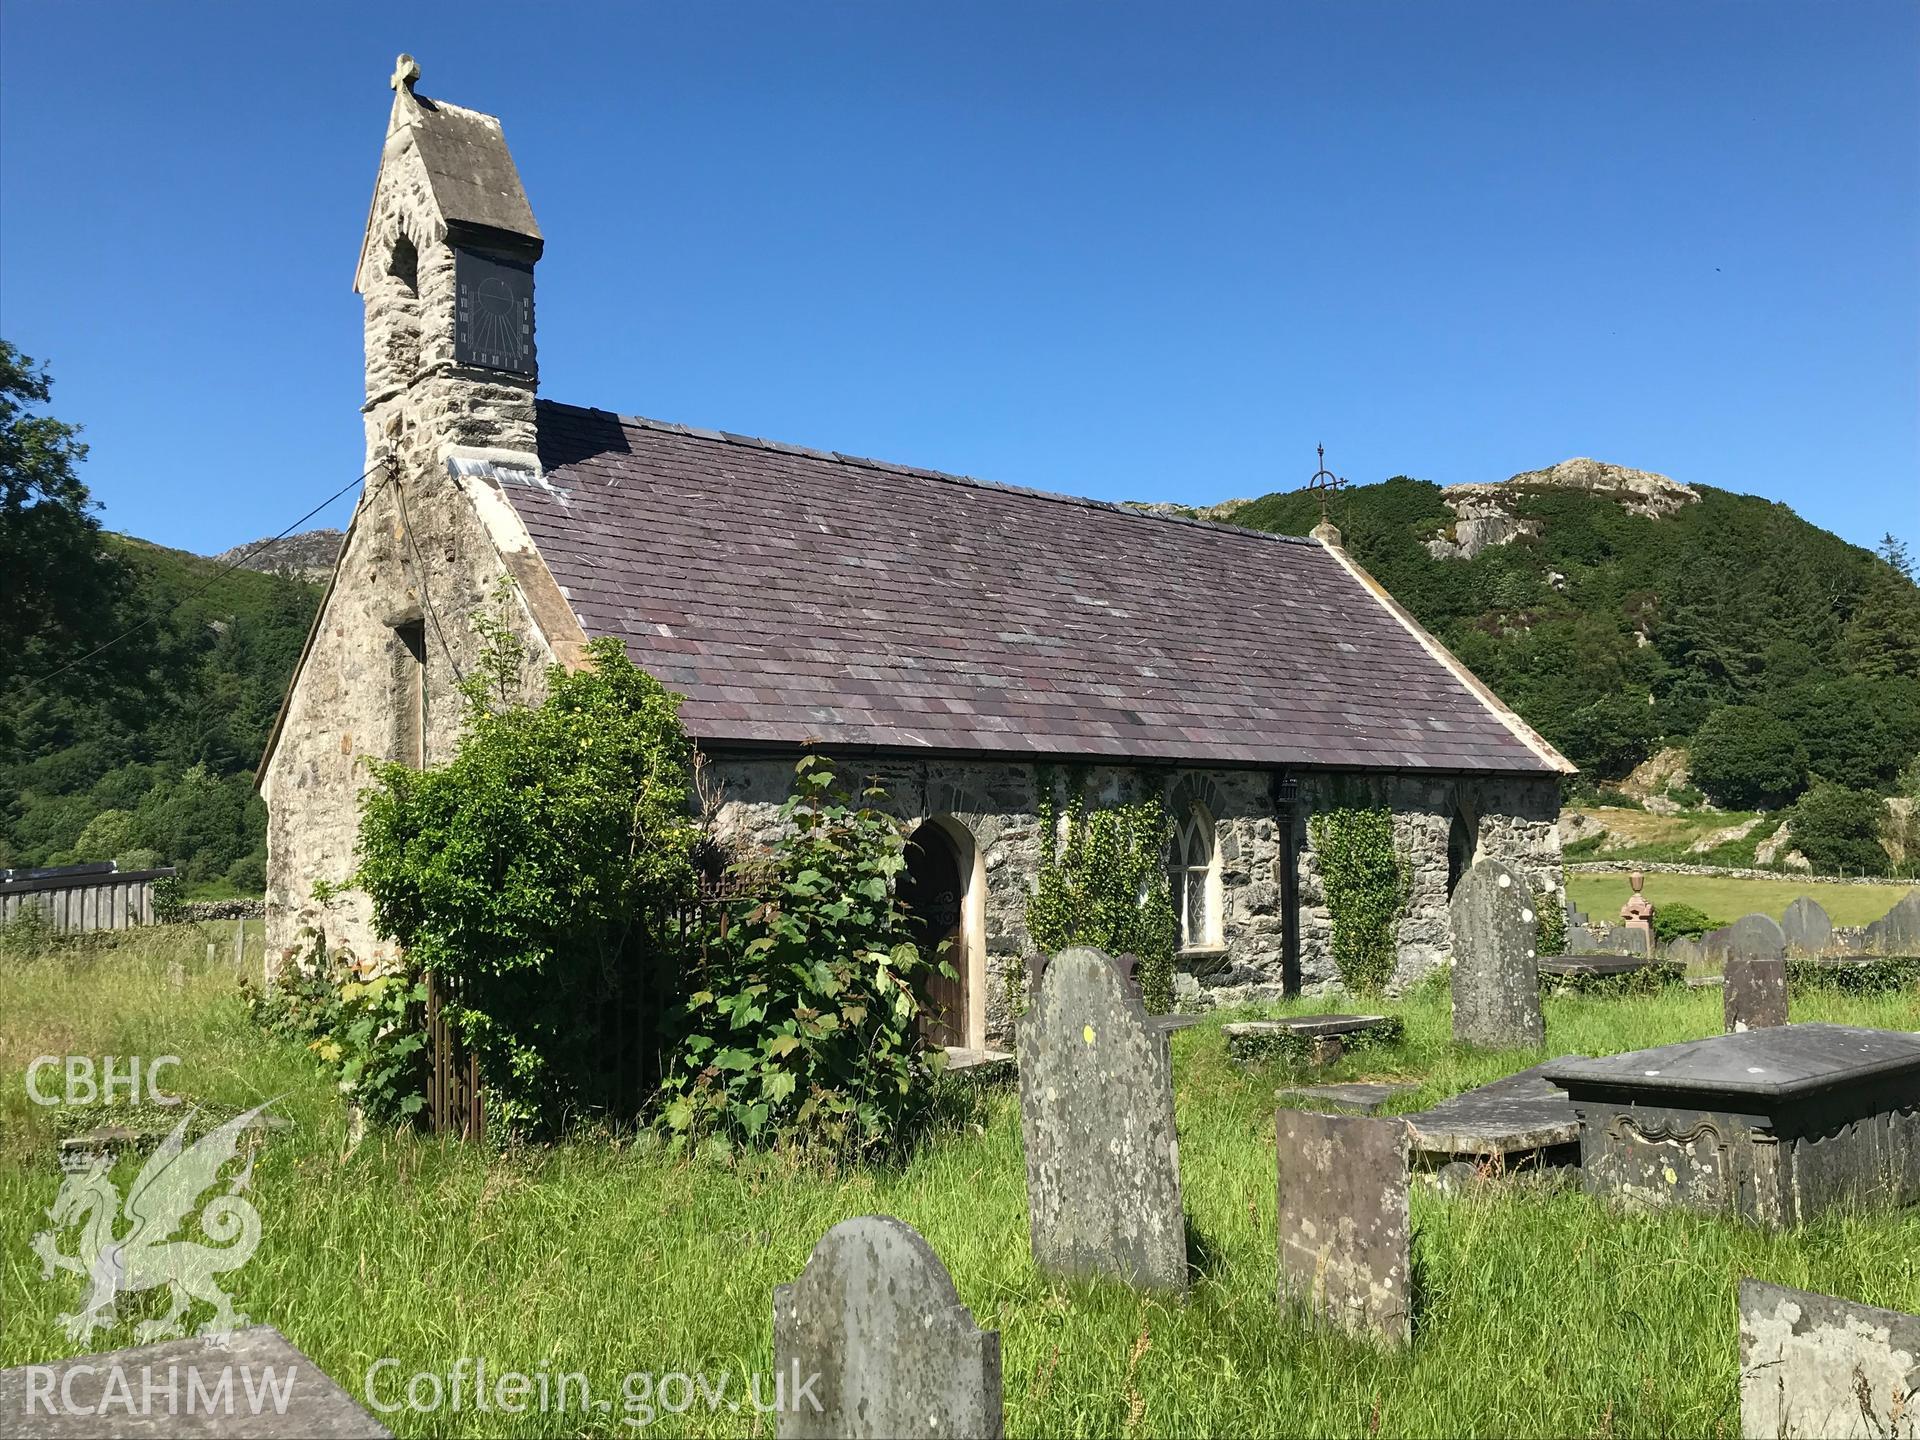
(1104, 883)
(1366, 880)
(1549, 925)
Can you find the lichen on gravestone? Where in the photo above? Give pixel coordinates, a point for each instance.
(1096, 1119)
(1496, 980)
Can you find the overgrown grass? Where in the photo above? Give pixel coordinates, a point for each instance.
(1601, 894)
(1546, 1313)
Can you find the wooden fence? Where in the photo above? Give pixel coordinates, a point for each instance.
(82, 897)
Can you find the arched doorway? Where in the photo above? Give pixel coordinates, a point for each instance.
(933, 888)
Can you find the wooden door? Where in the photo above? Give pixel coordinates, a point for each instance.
(930, 888)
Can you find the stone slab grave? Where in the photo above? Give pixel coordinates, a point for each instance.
(1898, 931)
(1814, 1365)
(1360, 1097)
(1522, 1121)
(1345, 1238)
(1581, 974)
(1096, 1116)
(1755, 997)
(1496, 981)
(1807, 928)
(82, 1397)
(979, 1064)
(1774, 1126)
(876, 1317)
(1309, 1039)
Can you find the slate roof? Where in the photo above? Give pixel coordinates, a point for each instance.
(795, 596)
(475, 183)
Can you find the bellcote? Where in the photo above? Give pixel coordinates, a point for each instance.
(446, 263)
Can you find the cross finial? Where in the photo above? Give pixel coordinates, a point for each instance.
(406, 72)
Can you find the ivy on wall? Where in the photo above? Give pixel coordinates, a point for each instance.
(1104, 884)
(1366, 880)
(1549, 925)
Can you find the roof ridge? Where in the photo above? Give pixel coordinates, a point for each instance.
(779, 447)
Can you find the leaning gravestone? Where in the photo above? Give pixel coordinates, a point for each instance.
(1756, 937)
(1345, 1238)
(1755, 995)
(1815, 1365)
(876, 1317)
(1808, 930)
(1686, 951)
(1898, 931)
(1496, 979)
(1096, 1115)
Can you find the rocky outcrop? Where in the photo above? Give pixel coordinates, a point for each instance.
(1483, 514)
(1660, 772)
(1713, 839)
(306, 556)
(1223, 512)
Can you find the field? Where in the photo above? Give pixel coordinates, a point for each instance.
(1601, 894)
(1545, 1313)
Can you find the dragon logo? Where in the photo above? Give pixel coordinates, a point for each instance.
(146, 1256)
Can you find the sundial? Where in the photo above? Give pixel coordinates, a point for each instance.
(493, 318)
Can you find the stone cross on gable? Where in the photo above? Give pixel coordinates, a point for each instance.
(406, 74)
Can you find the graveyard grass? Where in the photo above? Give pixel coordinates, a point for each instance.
(1543, 1313)
(1726, 898)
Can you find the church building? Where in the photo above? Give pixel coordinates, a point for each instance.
(965, 643)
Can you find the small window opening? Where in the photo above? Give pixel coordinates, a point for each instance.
(404, 265)
(410, 694)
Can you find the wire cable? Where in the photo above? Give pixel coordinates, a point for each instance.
(259, 547)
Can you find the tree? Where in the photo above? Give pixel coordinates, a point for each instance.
(1894, 551)
(1839, 829)
(1747, 757)
(1612, 735)
(56, 579)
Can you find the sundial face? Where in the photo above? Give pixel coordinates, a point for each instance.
(493, 313)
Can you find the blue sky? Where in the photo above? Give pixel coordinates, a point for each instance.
(1125, 251)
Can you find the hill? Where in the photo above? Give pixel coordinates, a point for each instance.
(1620, 612)
(146, 753)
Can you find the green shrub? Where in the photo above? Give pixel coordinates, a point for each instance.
(524, 870)
(1366, 880)
(1676, 920)
(805, 1030)
(169, 901)
(1105, 884)
(1549, 924)
(30, 932)
(366, 1031)
(1748, 758)
(1839, 830)
(1875, 975)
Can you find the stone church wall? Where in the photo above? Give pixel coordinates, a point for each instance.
(996, 802)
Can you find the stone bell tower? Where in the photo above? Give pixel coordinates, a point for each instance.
(446, 271)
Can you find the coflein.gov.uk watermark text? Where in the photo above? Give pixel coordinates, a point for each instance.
(644, 1395)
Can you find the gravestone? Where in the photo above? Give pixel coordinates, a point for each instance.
(1755, 994)
(876, 1317)
(93, 1395)
(1898, 931)
(1686, 951)
(1637, 916)
(1756, 937)
(1096, 1116)
(1773, 1125)
(1582, 941)
(1816, 1365)
(1808, 930)
(1496, 981)
(1345, 1240)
